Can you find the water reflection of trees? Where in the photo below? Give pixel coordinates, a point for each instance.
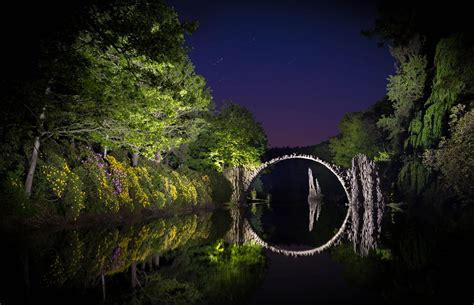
(181, 260)
(222, 273)
(424, 261)
(85, 255)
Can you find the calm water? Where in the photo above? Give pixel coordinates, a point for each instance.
(194, 259)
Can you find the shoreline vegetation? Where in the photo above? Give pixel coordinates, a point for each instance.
(108, 117)
(98, 190)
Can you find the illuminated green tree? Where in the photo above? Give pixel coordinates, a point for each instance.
(117, 75)
(358, 134)
(233, 138)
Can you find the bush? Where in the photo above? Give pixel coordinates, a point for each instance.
(86, 182)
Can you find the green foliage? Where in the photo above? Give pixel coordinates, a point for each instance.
(362, 271)
(323, 151)
(167, 100)
(404, 89)
(118, 78)
(60, 186)
(221, 271)
(233, 138)
(454, 75)
(420, 126)
(159, 290)
(221, 187)
(12, 192)
(74, 196)
(384, 254)
(382, 156)
(407, 85)
(454, 157)
(97, 185)
(358, 135)
(415, 131)
(414, 176)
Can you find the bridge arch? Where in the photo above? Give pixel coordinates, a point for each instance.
(340, 175)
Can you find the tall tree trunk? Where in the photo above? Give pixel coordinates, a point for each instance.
(105, 147)
(156, 261)
(135, 159)
(150, 263)
(103, 287)
(31, 171)
(133, 270)
(34, 156)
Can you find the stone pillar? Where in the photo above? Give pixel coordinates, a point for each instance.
(236, 177)
(366, 203)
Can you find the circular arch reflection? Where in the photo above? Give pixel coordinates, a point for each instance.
(252, 235)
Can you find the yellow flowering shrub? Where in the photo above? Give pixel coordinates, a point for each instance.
(156, 198)
(160, 199)
(107, 185)
(56, 178)
(170, 189)
(65, 186)
(120, 181)
(136, 192)
(98, 187)
(74, 196)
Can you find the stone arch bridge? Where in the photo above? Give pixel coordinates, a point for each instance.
(365, 204)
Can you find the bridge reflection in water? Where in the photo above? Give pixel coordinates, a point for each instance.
(364, 206)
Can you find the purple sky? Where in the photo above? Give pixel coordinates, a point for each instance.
(298, 67)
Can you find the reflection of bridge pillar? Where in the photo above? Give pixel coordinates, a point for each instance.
(236, 231)
(367, 205)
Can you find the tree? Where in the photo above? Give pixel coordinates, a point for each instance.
(404, 90)
(454, 157)
(116, 74)
(452, 83)
(358, 134)
(233, 138)
(155, 109)
(435, 71)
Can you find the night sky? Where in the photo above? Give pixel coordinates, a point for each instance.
(299, 66)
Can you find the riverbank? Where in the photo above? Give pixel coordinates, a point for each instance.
(83, 188)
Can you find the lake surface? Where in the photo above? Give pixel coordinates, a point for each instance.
(197, 259)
